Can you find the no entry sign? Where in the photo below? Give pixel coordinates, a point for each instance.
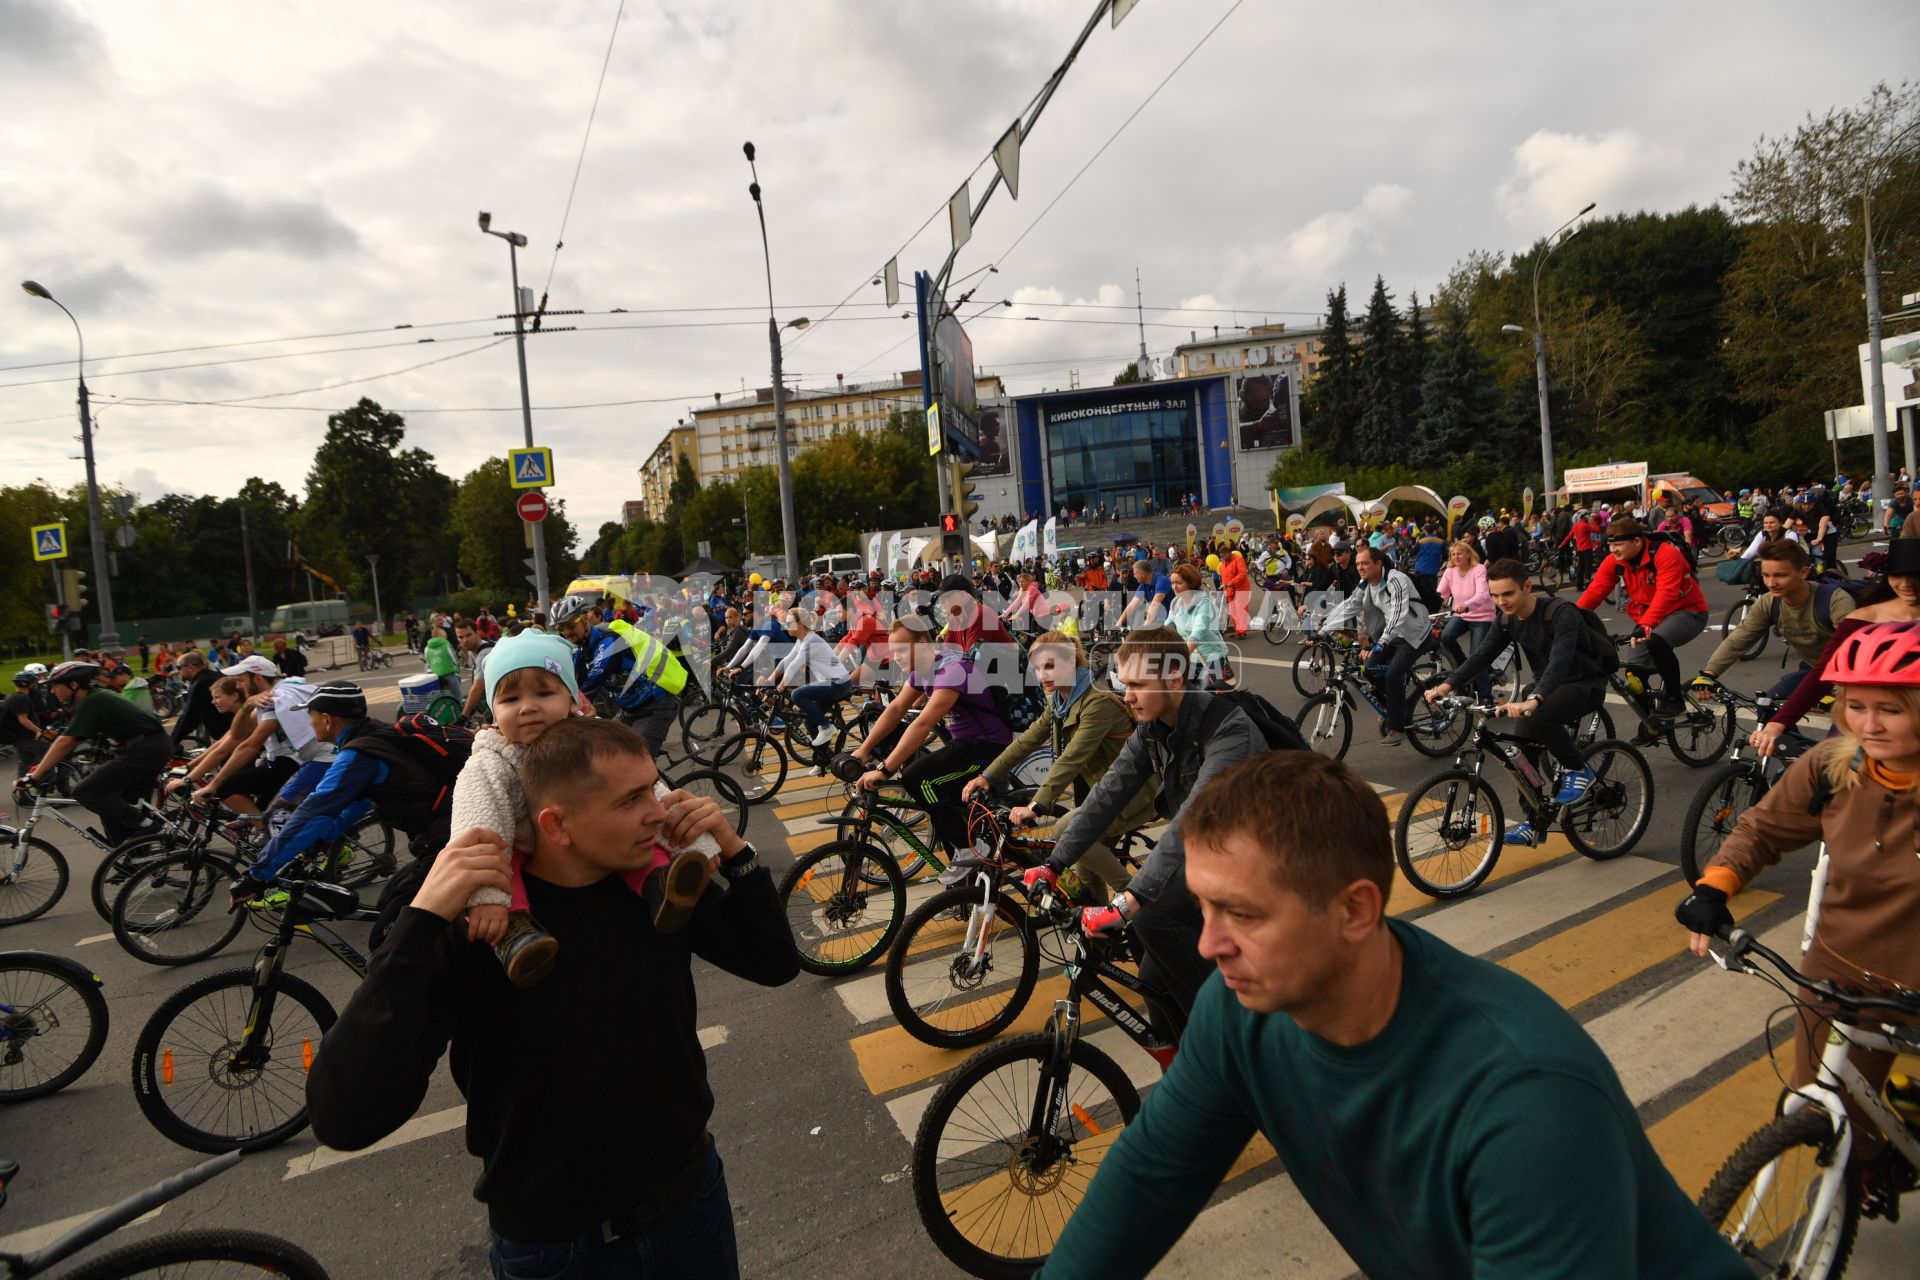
(532, 506)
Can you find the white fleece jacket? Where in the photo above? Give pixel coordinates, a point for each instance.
(488, 794)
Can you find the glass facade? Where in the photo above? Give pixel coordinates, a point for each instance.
(1123, 455)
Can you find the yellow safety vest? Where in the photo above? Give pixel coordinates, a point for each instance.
(651, 659)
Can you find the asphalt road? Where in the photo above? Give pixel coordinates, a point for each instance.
(815, 1093)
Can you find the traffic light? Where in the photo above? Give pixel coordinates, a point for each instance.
(55, 619)
(967, 503)
(952, 541)
(73, 585)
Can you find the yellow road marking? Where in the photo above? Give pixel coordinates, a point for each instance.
(1696, 1140)
(1513, 860)
(806, 808)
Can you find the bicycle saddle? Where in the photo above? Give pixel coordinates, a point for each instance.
(319, 898)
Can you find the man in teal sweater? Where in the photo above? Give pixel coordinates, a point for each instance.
(1443, 1117)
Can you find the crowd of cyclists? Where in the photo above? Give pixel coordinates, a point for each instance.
(971, 675)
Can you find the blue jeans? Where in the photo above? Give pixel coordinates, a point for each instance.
(1450, 641)
(814, 699)
(694, 1241)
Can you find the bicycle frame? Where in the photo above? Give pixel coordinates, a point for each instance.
(251, 1052)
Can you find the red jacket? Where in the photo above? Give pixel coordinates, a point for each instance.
(1658, 583)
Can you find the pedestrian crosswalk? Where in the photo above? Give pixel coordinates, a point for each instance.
(1688, 1040)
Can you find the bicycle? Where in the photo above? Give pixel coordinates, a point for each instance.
(828, 894)
(163, 1254)
(1698, 735)
(1008, 1144)
(53, 1023)
(962, 943)
(1733, 788)
(33, 874)
(1452, 827)
(375, 658)
(232, 1049)
(1737, 613)
(1787, 1200)
(1326, 719)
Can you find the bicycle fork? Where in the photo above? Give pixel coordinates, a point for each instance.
(254, 1051)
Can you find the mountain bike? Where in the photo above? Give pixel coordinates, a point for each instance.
(33, 874)
(1452, 827)
(846, 900)
(1008, 1144)
(1326, 719)
(947, 969)
(1698, 734)
(53, 1023)
(175, 1253)
(1789, 1199)
(1733, 788)
(222, 1063)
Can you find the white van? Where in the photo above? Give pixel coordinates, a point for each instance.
(840, 564)
(313, 618)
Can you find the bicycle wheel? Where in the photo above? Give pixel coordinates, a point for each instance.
(1613, 815)
(1762, 1200)
(759, 759)
(706, 726)
(1736, 613)
(175, 910)
(1728, 792)
(187, 1081)
(1732, 538)
(199, 1252)
(33, 875)
(53, 1024)
(840, 922)
(952, 995)
(1594, 726)
(1313, 667)
(1281, 621)
(362, 856)
(1327, 725)
(1434, 731)
(993, 1195)
(114, 869)
(730, 796)
(1448, 835)
(1701, 734)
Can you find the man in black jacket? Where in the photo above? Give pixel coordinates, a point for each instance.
(1568, 679)
(587, 1097)
(199, 714)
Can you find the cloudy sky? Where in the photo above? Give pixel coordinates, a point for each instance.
(244, 200)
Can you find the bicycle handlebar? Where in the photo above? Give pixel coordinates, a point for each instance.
(1741, 944)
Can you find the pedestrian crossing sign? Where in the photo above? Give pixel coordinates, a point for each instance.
(49, 542)
(530, 468)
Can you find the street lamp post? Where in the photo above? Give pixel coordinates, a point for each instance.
(379, 618)
(1554, 241)
(515, 243)
(781, 453)
(96, 530)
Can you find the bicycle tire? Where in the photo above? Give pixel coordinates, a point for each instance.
(1595, 725)
(194, 885)
(1809, 1130)
(1736, 613)
(112, 873)
(762, 777)
(1280, 624)
(33, 894)
(1327, 724)
(706, 726)
(711, 782)
(271, 1254)
(924, 945)
(1428, 731)
(154, 1061)
(1728, 792)
(1313, 668)
(64, 976)
(1701, 735)
(1611, 794)
(1462, 821)
(821, 906)
(1732, 538)
(942, 1219)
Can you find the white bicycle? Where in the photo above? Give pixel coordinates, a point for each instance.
(1786, 1199)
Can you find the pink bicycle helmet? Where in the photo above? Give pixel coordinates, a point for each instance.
(1880, 653)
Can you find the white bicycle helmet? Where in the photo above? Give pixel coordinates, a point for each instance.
(567, 608)
(34, 669)
(1487, 522)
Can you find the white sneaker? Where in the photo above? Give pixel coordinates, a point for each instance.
(823, 737)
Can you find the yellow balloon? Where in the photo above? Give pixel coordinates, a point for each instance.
(1213, 562)
(753, 580)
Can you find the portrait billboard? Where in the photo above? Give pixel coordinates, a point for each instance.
(1264, 411)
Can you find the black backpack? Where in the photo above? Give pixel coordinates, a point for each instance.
(424, 759)
(1281, 733)
(1595, 640)
(1654, 543)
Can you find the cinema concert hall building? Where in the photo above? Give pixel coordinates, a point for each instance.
(1213, 430)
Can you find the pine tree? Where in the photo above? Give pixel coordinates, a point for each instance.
(1330, 403)
(1459, 402)
(1413, 372)
(1382, 434)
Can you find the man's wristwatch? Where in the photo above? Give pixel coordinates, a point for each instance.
(741, 863)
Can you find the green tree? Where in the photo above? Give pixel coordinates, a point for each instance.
(367, 496)
(1330, 403)
(1382, 430)
(494, 541)
(1413, 362)
(1458, 397)
(1132, 374)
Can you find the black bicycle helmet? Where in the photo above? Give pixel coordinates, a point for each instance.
(74, 673)
(25, 678)
(567, 608)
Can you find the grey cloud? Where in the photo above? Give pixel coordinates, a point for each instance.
(45, 37)
(212, 220)
(95, 288)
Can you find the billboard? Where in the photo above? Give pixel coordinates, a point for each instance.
(946, 366)
(996, 449)
(1899, 378)
(1264, 411)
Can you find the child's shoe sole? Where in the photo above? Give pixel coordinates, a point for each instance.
(682, 883)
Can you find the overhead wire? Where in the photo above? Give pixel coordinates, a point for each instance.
(560, 240)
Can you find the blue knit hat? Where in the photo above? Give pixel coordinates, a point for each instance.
(530, 649)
